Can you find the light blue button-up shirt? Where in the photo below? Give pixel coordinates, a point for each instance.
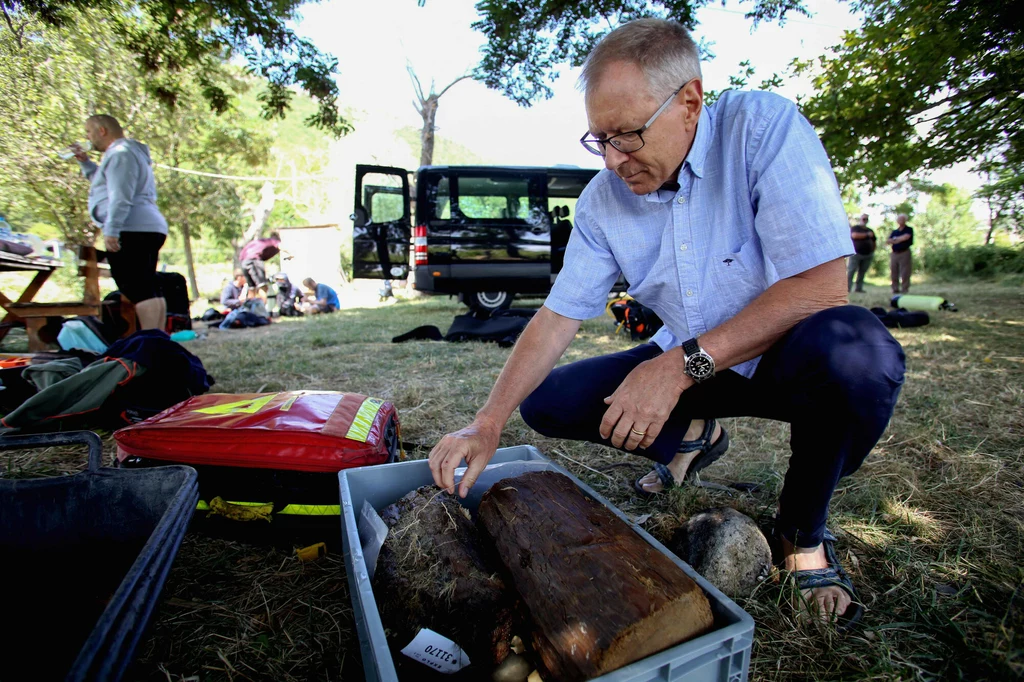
(758, 202)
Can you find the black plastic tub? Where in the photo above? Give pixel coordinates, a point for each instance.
(83, 559)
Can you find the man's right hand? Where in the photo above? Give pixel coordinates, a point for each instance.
(475, 444)
(80, 153)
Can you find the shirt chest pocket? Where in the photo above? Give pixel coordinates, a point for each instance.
(734, 279)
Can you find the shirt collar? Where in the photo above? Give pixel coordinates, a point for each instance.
(694, 159)
(701, 143)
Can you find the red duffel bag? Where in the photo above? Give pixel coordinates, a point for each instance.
(318, 431)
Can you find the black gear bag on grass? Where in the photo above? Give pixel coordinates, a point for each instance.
(638, 319)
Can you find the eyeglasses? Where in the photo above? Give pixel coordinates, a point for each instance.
(630, 142)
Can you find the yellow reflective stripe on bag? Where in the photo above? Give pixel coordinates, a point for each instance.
(363, 421)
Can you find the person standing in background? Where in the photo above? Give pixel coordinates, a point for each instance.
(254, 256)
(122, 201)
(864, 243)
(901, 239)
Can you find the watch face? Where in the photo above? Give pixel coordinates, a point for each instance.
(700, 366)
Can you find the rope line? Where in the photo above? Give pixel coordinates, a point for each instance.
(249, 178)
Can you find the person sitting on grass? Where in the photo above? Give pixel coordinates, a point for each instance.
(234, 292)
(727, 221)
(289, 296)
(320, 299)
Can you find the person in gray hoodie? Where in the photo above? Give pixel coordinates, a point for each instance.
(122, 201)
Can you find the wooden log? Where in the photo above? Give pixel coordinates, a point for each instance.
(431, 573)
(599, 595)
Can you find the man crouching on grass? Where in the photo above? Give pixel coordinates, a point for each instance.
(727, 221)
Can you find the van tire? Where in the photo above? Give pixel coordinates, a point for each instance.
(487, 301)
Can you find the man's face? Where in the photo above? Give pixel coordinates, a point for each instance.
(864, 220)
(97, 135)
(901, 220)
(240, 280)
(619, 102)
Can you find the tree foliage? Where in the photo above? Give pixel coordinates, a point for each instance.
(52, 78)
(174, 41)
(527, 41)
(921, 86)
(947, 219)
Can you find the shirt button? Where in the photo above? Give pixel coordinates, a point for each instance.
(681, 200)
(683, 247)
(689, 292)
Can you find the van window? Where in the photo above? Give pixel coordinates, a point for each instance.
(494, 198)
(382, 198)
(442, 200)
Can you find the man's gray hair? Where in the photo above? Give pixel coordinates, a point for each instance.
(107, 121)
(664, 51)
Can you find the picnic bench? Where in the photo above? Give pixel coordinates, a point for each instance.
(33, 314)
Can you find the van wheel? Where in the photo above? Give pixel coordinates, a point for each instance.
(487, 301)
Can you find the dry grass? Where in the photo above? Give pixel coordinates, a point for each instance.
(931, 528)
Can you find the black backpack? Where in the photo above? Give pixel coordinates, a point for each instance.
(632, 315)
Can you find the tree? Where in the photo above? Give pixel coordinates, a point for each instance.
(1003, 194)
(528, 40)
(947, 219)
(203, 146)
(921, 86)
(173, 41)
(51, 79)
(426, 107)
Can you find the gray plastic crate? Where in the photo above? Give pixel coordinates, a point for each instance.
(92, 551)
(722, 655)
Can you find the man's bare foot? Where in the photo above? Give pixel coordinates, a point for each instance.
(680, 464)
(821, 603)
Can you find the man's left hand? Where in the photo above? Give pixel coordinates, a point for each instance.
(643, 402)
(113, 244)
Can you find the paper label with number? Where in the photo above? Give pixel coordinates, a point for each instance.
(436, 651)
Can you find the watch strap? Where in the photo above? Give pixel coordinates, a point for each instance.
(690, 347)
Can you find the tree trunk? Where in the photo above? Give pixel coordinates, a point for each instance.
(598, 594)
(429, 112)
(261, 213)
(186, 242)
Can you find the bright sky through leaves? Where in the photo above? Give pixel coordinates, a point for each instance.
(373, 42)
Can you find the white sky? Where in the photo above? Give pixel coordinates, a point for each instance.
(374, 41)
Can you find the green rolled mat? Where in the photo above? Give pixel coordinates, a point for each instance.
(915, 302)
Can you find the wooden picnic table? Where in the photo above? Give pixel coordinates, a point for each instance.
(32, 314)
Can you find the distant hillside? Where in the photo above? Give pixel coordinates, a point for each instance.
(446, 152)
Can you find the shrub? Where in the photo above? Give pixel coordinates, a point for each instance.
(972, 261)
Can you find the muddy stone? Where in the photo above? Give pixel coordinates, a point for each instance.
(432, 573)
(727, 548)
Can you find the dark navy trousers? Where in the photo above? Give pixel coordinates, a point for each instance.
(834, 377)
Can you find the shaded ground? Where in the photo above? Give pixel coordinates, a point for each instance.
(931, 527)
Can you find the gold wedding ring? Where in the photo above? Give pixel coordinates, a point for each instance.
(639, 433)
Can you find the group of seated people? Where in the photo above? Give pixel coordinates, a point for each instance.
(291, 300)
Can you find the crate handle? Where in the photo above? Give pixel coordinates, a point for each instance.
(48, 440)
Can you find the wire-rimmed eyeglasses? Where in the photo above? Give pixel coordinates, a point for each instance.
(627, 142)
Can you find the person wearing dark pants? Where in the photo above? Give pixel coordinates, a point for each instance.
(864, 252)
(901, 239)
(835, 377)
(727, 221)
(122, 201)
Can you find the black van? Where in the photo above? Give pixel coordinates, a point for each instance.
(486, 233)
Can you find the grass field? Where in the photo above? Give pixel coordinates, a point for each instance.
(931, 528)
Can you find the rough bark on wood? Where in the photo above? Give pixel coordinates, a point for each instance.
(599, 595)
(431, 574)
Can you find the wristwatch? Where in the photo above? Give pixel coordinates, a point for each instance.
(699, 365)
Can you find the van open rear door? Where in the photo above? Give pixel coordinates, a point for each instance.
(380, 232)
